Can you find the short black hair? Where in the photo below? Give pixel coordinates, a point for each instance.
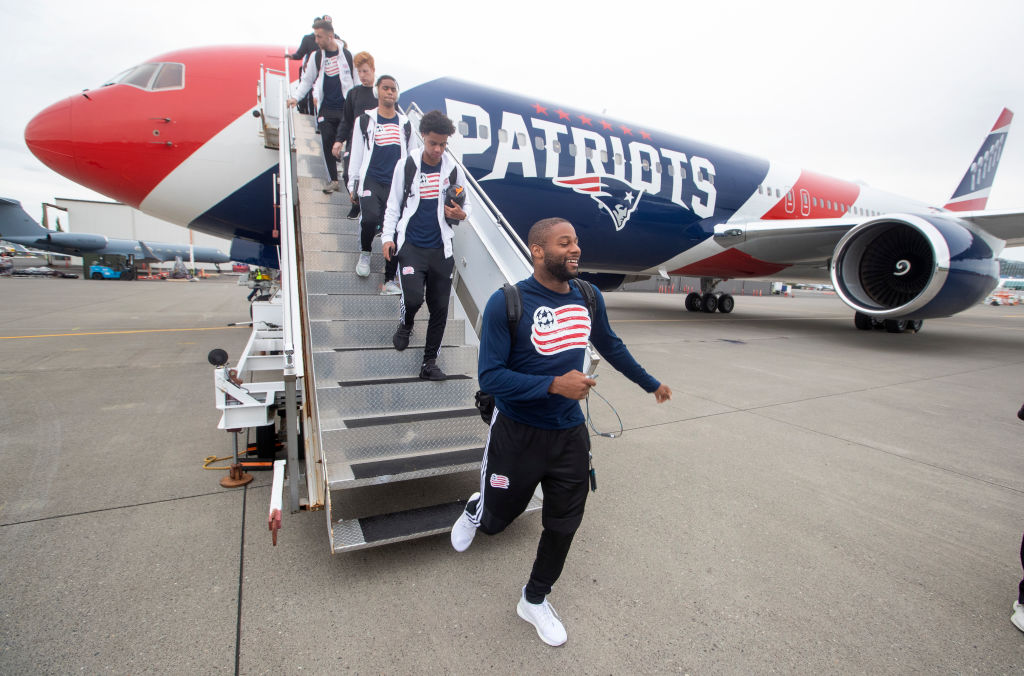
(387, 77)
(437, 122)
(539, 231)
(326, 25)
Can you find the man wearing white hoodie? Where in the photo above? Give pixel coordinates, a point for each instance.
(416, 229)
(380, 141)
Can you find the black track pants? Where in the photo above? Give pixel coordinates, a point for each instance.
(426, 274)
(328, 130)
(517, 458)
(371, 218)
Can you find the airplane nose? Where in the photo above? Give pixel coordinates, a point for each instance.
(48, 136)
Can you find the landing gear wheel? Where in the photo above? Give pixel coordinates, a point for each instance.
(862, 321)
(726, 303)
(693, 302)
(895, 325)
(97, 275)
(709, 302)
(915, 325)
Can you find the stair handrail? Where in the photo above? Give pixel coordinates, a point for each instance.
(286, 251)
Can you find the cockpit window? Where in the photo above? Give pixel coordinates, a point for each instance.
(152, 76)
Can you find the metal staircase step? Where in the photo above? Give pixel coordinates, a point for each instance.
(371, 531)
(390, 470)
(330, 242)
(326, 307)
(363, 333)
(461, 428)
(346, 404)
(343, 282)
(340, 261)
(329, 222)
(332, 368)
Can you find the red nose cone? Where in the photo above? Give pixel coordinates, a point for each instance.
(48, 136)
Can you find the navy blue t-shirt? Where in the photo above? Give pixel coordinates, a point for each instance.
(387, 149)
(332, 80)
(423, 229)
(550, 341)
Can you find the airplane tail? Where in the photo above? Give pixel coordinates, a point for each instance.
(14, 222)
(972, 193)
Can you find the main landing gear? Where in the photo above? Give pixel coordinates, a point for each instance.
(866, 323)
(708, 300)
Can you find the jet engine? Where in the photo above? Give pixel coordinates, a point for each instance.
(80, 242)
(906, 266)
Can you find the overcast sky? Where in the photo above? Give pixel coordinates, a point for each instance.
(896, 93)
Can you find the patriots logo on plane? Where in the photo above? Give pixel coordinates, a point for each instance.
(615, 196)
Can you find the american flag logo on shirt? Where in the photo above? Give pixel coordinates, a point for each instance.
(554, 331)
(387, 135)
(499, 481)
(331, 66)
(430, 186)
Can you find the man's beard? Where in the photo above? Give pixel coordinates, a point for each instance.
(559, 269)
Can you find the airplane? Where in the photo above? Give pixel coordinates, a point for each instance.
(176, 137)
(19, 229)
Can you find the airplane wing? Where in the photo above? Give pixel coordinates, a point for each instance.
(149, 253)
(797, 241)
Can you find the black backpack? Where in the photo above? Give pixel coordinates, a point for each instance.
(513, 313)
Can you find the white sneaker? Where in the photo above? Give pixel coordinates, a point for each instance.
(1018, 615)
(464, 530)
(391, 289)
(544, 619)
(331, 187)
(363, 266)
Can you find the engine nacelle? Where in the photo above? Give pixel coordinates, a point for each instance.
(81, 242)
(907, 266)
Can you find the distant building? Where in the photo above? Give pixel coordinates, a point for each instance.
(1008, 268)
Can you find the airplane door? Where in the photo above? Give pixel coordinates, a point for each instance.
(805, 202)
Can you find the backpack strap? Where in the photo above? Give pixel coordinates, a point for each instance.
(589, 296)
(513, 311)
(319, 59)
(410, 172)
(408, 132)
(364, 124)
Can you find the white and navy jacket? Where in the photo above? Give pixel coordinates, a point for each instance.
(313, 76)
(393, 224)
(361, 148)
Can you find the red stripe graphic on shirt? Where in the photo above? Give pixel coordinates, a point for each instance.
(331, 66)
(554, 331)
(387, 135)
(429, 186)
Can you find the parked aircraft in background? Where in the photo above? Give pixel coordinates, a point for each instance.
(18, 228)
(177, 138)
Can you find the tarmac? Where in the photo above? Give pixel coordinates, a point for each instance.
(814, 499)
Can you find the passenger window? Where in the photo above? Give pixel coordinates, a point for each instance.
(538, 142)
(829, 203)
(618, 158)
(646, 164)
(572, 150)
(502, 136)
(604, 156)
(463, 128)
(760, 188)
(484, 131)
(171, 76)
(778, 193)
(556, 145)
(590, 153)
(521, 137)
(672, 172)
(657, 168)
(814, 201)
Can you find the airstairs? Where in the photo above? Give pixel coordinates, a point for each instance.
(377, 439)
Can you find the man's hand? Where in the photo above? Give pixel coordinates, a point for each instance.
(663, 393)
(455, 212)
(352, 196)
(572, 385)
(292, 103)
(388, 248)
(336, 149)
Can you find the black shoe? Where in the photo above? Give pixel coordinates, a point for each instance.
(401, 337)
(354, 211)
(431, 371)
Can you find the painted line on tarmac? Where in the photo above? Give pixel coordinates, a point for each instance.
(114, 333)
